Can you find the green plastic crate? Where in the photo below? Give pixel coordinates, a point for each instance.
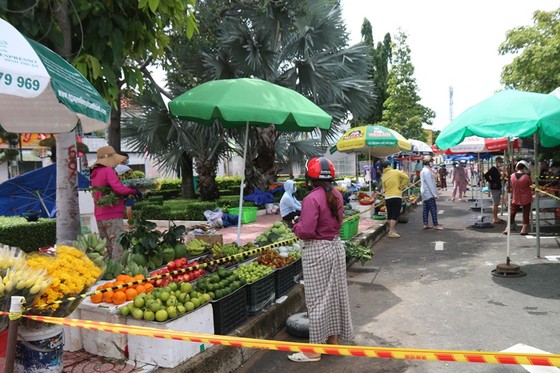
(249, 214)
(349, 228)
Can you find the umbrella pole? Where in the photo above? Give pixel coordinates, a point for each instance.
(481, 223)
(537, 170)
(508, 269)
(242, 185)
(370, 171)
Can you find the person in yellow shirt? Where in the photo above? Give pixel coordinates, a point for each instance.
(393, 182)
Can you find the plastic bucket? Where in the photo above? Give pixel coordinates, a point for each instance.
(40, 350)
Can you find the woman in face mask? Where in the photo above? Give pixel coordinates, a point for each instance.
(290, 207)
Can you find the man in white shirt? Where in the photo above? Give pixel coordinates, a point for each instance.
(428, 189)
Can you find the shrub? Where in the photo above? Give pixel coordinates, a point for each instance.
(14, 231)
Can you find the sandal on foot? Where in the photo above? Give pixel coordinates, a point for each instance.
(499, 221)
(300, 357)
(427, 227)
(438, 227)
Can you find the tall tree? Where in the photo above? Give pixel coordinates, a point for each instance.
(402, 109)
(111, 43)
(536, 66)
(379, 70)
(299, 45)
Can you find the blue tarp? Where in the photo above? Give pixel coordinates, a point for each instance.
(34, 190)
(259, 197)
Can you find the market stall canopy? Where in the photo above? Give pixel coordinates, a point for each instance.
(476, 144)
(420, 147)
(377, 141)
(42, 93)
(34, 190)
(508, 113)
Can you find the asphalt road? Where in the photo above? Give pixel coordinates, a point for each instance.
(434, 290)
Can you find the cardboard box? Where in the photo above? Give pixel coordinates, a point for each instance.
(210, 238)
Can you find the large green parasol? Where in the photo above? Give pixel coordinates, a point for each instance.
(244, 102)
(42, 93)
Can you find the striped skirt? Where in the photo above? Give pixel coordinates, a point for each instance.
(326, 290)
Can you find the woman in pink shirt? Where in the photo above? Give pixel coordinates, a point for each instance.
(521, 196)
(109, 218)
(324, 261)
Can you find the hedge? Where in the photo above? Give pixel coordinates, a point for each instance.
(15, 231)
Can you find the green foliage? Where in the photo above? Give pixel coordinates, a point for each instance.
(536, 65)
(402, 109)
(170, 184)
(359, 252)
(14, 231)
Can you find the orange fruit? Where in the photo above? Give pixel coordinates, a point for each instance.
(130, 293)
(122, 277)
(138, 277)
(140, 289)
(96, 298)
(119, 297)
(108, 296)
(148, 287)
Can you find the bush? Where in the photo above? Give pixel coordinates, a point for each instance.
(170, 184)
(15, 231)
(164, 194)
(155, 212)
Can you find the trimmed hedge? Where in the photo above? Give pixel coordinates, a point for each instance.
(15, 231)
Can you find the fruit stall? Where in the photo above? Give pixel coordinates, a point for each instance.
(167, 280)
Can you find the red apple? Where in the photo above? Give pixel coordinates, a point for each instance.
(171, 266)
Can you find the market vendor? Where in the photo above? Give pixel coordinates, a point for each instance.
(290, 207)
(109, 215)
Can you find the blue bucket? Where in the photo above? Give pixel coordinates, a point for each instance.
(40, 350)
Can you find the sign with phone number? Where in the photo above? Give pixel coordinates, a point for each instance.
(20, 81)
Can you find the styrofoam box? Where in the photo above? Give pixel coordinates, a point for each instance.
(103, 343)
(73, 335)
(168, 353)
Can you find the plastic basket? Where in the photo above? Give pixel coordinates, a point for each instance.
(284, 279)
(298, 268)
(349, 228)
(230, 311)
(260, 294)
(249, 213)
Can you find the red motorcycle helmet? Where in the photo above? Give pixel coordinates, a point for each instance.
(320, 168)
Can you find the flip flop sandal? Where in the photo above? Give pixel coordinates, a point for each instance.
(427, 227)
(499, 221)
(299, 357)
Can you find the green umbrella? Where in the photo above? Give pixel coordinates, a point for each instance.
(509, 113)
(244, 102)
(42, 93)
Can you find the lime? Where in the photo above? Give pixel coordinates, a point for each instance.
(163, 296)
(172, 312)
(195, 301)
(138, 314)
(186, 287)
(172, 286)
(206, 297)
(181, 309)
(161, 315)
(139, 302)
(149, 315)
(189, 306)
(124, 311)
(154, 307)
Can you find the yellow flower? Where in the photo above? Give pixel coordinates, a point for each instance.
(71, 272)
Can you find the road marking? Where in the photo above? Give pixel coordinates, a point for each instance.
(553, 258)
(440, 212)
(521, 347)
(439, 245)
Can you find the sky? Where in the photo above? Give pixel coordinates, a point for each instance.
(454, 43)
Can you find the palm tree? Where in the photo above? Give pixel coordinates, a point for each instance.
(298, 45)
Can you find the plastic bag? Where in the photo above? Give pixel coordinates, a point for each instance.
(214, 217)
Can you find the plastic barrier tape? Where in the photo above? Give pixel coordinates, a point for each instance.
(486, 357)
(545, 193)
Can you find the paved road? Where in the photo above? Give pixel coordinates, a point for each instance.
(434, 290)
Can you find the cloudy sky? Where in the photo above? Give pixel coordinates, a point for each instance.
(453, 43)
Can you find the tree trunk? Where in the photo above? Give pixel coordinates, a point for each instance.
(265, 165)
(114, 130)
(187, 179)
(207, 186)
(67, 202)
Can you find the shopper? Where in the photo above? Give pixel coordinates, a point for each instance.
(460, 180)
(323, 260)
(442, 171)
(290, 207)
(494, 178)
(109, 216)
(393, 183)
(428, 189)
(521, 196)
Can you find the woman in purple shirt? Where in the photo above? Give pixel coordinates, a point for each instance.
(324, 261)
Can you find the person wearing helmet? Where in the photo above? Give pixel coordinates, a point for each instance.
(428, 189)
(521, 196)
(393, 181)
(323, 260)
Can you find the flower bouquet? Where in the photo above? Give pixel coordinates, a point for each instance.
(72, 274)
(18, 279)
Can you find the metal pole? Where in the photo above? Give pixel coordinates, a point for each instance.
(537, 199)
(15, 307)
(242, 185)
